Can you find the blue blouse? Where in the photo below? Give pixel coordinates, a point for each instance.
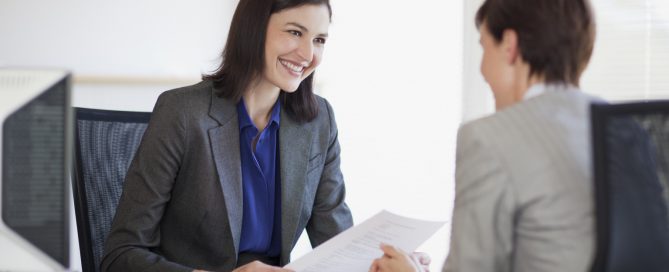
(261, 220)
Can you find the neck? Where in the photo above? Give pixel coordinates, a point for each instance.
(259, 101)
(516, 92)
(524, 85)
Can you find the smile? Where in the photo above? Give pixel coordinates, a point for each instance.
(292, 67)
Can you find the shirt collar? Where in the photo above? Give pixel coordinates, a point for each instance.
(245, 119)
(535, 90)
(275, 116)
(541, 88)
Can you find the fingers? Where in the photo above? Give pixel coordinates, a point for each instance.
(422, 258)
(375, 266)
(391, 251)
(382, 264)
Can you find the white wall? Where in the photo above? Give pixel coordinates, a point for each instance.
(149, 38)
(477, 97)
(392, 71)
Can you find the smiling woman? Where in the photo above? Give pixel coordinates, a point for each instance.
(257, 46)
(231, 170)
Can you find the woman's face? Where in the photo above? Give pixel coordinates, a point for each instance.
(294, 44)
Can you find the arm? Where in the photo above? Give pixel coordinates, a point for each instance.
(482, 234)
(146, 191)
(330, 214)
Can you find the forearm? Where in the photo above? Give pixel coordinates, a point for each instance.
(138, 259)
(147, 190)
(330, 215)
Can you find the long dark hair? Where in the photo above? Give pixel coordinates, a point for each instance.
(243, 58)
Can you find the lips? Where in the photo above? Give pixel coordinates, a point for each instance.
(294, 68)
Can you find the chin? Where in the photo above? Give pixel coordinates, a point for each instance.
(290, 87)
(288, 84)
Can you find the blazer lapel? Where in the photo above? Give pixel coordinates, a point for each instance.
(225, 149)
(294, 147)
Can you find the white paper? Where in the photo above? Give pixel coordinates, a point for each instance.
(355, 249)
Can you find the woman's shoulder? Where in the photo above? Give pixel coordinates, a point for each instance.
(324, 108)
(325, 120)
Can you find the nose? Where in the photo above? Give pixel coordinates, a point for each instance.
(306, 50)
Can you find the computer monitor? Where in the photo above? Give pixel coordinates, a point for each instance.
(35, 145)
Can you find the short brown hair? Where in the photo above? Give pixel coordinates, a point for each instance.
(555, 37)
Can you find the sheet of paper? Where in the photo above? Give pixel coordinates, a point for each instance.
(354, 249)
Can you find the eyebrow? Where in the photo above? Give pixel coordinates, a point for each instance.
(304, 29)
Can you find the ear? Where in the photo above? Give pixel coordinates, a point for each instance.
(510, 45)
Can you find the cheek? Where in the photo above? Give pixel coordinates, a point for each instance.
(317, 58)
(481, 65)
(492, 74)
(277, 46)
(485, 67)
(270, 54)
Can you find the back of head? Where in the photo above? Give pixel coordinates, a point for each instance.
(555, 37)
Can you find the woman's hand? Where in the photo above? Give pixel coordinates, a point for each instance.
(422, 259)
(257, 266)
(396, 260)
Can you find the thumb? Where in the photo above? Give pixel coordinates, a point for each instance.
(390, 251)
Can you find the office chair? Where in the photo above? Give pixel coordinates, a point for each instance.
(105, 143)
(631, 167)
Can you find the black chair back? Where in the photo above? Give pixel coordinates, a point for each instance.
(105, 144)
(631, 167)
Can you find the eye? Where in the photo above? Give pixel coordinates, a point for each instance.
(295, 33)
(320, 40)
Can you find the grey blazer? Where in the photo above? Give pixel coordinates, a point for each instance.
(181, 204)
(524, 191)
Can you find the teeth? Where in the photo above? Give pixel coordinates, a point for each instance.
(292, 67)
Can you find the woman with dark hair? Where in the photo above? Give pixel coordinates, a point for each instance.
(231, 170)
(523, 181)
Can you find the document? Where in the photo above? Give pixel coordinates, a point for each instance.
(354, 249)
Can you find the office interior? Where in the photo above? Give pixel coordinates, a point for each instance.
(400, 74)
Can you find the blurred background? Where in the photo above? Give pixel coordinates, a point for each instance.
(402, 76)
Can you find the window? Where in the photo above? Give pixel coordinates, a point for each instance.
(631, 56)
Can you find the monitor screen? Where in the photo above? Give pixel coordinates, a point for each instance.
(35, 170)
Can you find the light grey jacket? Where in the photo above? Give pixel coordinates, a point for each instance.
(524, 191)
(181, 206)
